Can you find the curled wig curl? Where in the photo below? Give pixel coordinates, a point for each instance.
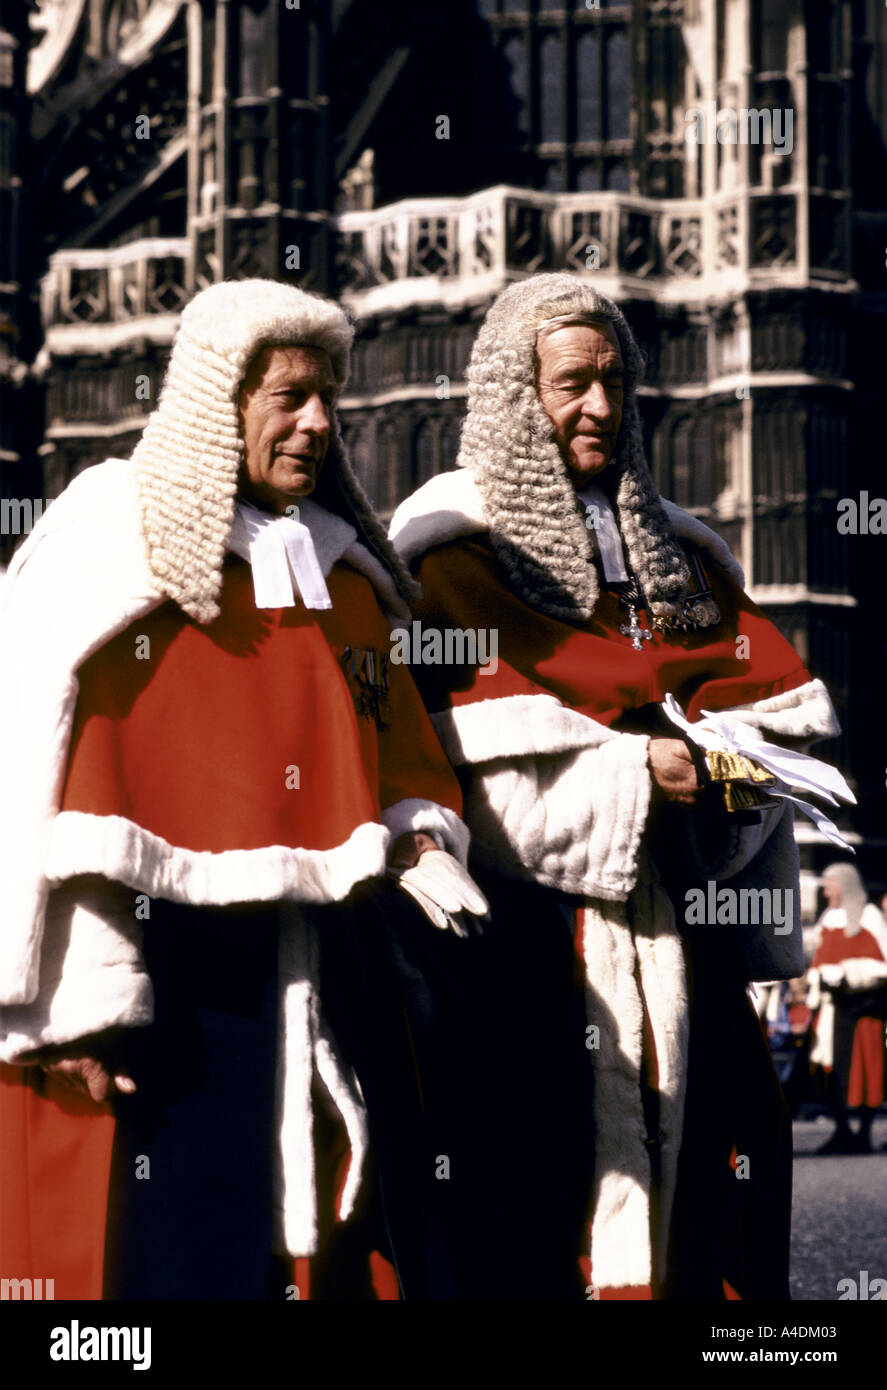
(536, 525)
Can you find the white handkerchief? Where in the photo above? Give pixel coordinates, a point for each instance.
(606, 530)
(281, 552)
(791, 767)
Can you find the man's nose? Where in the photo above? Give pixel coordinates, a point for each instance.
(314, 417)
(596, 402)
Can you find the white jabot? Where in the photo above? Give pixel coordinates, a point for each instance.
(606, 530)
(281, 553)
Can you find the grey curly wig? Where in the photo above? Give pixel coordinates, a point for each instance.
(536, 524)
(188, 458)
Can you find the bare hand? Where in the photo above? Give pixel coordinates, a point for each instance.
(77, 1066)
(408, 849)
(673, 770)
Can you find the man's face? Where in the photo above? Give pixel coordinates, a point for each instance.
(580, 384)
(285, 407)
(831, 888)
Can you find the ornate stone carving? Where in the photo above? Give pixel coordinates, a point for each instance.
(728, 250)
(774, 232)
(683, 246)
(638, 242)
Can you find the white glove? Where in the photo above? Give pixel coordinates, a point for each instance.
(831, 975)
(444, 891)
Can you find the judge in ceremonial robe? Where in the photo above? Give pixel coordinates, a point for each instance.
(626, 1101)
(210, 769)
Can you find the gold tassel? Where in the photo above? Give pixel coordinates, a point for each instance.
(742, 780)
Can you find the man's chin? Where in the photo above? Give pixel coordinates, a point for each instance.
(296, 485)
(585, 467)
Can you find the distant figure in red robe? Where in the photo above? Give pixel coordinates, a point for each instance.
(848, 986)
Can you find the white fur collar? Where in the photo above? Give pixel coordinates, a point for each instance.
(103, 501)
(449, 506)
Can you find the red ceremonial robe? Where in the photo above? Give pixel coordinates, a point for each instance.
(249, 732)
(862, 1078)
(595, 670)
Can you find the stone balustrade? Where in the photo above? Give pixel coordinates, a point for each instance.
(450, 249)
(119, 285)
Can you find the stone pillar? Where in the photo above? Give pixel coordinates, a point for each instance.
(259, 144)
(20, 401)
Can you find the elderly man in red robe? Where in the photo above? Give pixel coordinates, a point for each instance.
(625, 1100)
(209, 768)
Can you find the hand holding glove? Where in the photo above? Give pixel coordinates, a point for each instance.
(446, 892)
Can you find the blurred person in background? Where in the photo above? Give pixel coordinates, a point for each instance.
(848, 989)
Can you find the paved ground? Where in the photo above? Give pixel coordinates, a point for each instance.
(839, 1216)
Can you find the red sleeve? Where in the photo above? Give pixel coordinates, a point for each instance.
(411, 760)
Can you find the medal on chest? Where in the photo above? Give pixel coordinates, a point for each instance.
(366, 671)
(698, 609)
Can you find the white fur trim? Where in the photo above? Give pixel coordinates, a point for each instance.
(822, 1050)
(445, 508)
(308, 1048)
(803, 713)
(620, 1242)
(517, 725)
(514, 726)
(663, 979)
(295, 1190)
(572, 821)
(538, 805)
(344, 1090)
(555, 796)
(92, 975)
(119, 849)
(443, 825)
(863, 972)
(617, 942)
